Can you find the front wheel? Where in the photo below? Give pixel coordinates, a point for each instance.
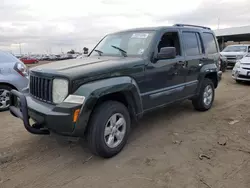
(108, 129)
(4, 97)
(204, 100)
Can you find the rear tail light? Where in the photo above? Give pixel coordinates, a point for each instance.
(21, 69)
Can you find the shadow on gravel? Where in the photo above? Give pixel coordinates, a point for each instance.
(159, 119)
(77, 148)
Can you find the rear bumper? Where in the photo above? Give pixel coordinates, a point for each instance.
(48, 118)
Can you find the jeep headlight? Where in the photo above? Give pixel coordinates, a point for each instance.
(59, 90)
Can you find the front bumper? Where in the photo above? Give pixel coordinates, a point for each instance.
(241, 74)
(48, 118)
(231, 62)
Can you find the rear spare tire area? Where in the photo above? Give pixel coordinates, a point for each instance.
(108, 129)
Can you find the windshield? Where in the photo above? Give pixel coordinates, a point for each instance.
(235, 49)
(125, 43)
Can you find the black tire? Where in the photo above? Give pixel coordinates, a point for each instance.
(224, 68)
(95, 134)
(4, 87)
(238, 81)
(198, 102)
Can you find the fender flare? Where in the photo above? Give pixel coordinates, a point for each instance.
(93, 91)
(209, 69)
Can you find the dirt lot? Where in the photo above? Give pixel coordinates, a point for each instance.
(163, 150)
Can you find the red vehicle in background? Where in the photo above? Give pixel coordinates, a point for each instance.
(28, 60)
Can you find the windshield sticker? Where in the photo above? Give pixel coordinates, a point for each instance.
(140, 35)
(141, 51)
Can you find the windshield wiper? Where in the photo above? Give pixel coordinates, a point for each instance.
(123, 52)
(99, 52)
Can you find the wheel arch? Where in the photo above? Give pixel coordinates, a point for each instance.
(213, 76)
(8, 84)
(124, 97)
(122, 89)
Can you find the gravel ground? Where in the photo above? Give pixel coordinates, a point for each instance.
(173, 147)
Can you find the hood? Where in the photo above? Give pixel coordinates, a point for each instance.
(91, 66)
(232, 53)
(245, 60)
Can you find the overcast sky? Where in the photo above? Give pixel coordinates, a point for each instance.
(60, 25)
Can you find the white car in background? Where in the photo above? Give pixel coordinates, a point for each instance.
(241, 70)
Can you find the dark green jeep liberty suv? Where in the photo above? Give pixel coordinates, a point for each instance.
(127, 74)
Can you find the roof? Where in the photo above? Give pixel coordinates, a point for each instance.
(157, 28)
(141, 29)
(232, 31)
(239, 45)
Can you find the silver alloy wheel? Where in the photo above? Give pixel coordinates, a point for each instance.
(208, 95)
(4, 98)
(115, 130)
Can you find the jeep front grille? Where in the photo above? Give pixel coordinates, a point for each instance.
(231, 57)
(41, 88)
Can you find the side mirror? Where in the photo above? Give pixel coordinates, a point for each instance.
(85, 50)
(167, 53)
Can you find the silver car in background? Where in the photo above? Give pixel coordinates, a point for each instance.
(233, 53)
(241, 70)
(13, 75)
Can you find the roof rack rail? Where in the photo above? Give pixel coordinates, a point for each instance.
(188, 25)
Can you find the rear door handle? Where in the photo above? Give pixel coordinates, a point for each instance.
(183, 63)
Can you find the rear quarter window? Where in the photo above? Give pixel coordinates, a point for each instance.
(209, 43)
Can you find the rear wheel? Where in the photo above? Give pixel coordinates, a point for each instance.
(204, 100)
(108, 129)
(224, 68)
(4, 97)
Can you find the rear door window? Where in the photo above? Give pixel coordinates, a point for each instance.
(209, 43)
(191, 44)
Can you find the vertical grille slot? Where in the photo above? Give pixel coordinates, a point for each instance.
(41, 88)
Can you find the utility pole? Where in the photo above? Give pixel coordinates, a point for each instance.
(218, 23)
(20, 48)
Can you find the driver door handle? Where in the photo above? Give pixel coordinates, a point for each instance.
(183, 63)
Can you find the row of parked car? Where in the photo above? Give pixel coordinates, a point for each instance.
(31, 59)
